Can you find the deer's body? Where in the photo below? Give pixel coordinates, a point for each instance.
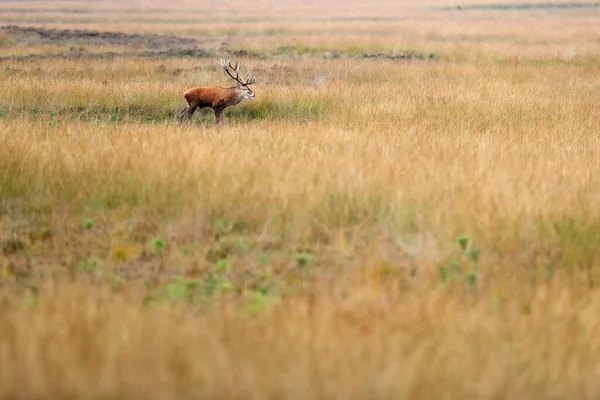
(217, 97)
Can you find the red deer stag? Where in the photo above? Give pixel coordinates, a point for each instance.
(218, 97)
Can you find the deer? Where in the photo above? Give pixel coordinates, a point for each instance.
(218, 97)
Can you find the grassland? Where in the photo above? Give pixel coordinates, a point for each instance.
(410, 208)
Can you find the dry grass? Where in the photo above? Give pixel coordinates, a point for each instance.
(376, 342)
(492, 32)
(308, 247)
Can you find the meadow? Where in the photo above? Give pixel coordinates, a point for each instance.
(409, 208)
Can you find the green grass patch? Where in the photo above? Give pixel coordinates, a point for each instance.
(140, 108)
(577, 240)
(305, 108)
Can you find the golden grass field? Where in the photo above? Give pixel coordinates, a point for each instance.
(409, 208)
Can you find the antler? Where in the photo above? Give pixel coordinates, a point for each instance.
(251, 80)
(242, 81)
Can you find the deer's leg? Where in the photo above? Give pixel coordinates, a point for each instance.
(181, 113)
(191, 110)
(218, 114)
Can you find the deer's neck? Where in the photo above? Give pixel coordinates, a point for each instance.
(236, 94)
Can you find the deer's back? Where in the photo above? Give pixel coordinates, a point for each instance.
(210, 96)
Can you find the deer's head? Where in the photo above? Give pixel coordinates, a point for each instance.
(242, 83)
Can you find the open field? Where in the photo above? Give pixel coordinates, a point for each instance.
(409, 208)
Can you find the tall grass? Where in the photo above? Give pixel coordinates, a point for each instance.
(362, 229)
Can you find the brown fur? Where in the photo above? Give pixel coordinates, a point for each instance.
(216, 97)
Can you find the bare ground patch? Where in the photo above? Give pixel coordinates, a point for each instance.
(27, 35)
(161, 46)
(525, 6)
